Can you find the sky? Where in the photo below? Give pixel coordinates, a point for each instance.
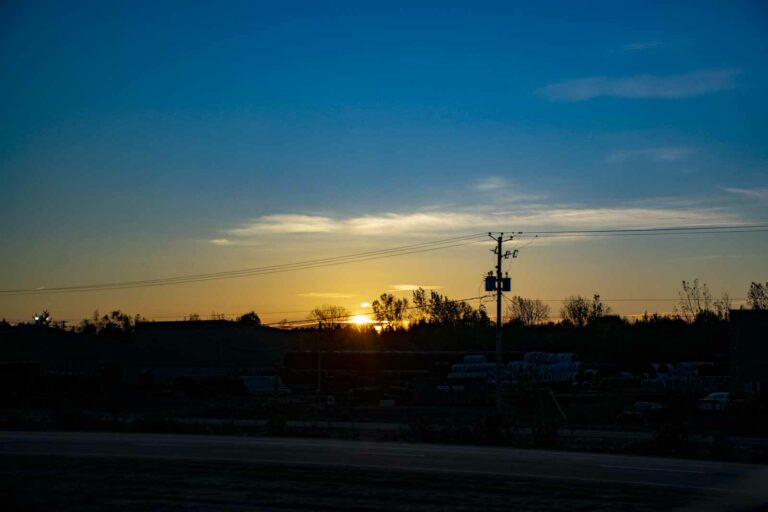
(151, 139)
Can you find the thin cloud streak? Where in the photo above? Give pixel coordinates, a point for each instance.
(664, 154)
(287, 223)
(382, 224)
(413, 287)
(221, 241)
(760, 194)
(642, 86)
(639, 46)
(490, 183)
(442, 222)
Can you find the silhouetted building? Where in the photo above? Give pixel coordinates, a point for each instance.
(56, 350)
(749, 349)
(211, 343)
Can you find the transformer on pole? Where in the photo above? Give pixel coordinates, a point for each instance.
(499, 284)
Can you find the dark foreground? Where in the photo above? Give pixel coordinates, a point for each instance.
(97, 471)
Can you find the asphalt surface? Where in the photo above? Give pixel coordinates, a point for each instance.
(690, 484)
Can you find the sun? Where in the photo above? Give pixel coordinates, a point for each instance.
(361, 320)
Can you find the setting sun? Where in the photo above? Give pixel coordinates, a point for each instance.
(361, 320)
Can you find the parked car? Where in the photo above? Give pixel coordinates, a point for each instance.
(721, 401)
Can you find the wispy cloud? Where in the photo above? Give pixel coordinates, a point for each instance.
(412, 287)
(393, 223)
(221, 241)
(625, 217)
(664, 154)
(639, 46)
(490, 183)
(381, 224)
(481, 218)
(503, 189)
(326, 295)
(642, 86)
(760, 194)
(286, 223)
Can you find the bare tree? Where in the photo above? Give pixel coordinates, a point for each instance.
(580, 311)
(723, 306)
(421, 306)
(757, 297)
(439, 309)
(527, 311)
(115, 324)
(695, 300)
(390, 311)
(328, 316)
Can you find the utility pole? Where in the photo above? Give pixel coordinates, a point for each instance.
(499, 361)
(499, 284)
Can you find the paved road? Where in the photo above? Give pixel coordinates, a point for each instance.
(711, 484)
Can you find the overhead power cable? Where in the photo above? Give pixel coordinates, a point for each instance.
(248, 272)
(624, 300)
(384, 253)
(660, 229)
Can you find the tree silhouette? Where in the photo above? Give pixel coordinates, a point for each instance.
(390, 311)
(580, 311)
(723, 306)
(757, 297)
(116, 324)
(439, 309)
(421, 306)
(527, 311)
(695, 301)
(250, 318)
(328, 316)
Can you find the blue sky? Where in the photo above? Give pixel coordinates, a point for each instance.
(142, 139)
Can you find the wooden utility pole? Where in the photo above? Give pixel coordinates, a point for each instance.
(501, 285)
(499, 362)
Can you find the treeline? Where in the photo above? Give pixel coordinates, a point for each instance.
(392, 313)
(653, 338)
(432, 309)
(697, 329)
(117, 324)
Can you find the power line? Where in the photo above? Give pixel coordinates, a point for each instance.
(651, 229)
(384, 253)
(248, 271)
(679, 233)
(289, 267)
(631, 300)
